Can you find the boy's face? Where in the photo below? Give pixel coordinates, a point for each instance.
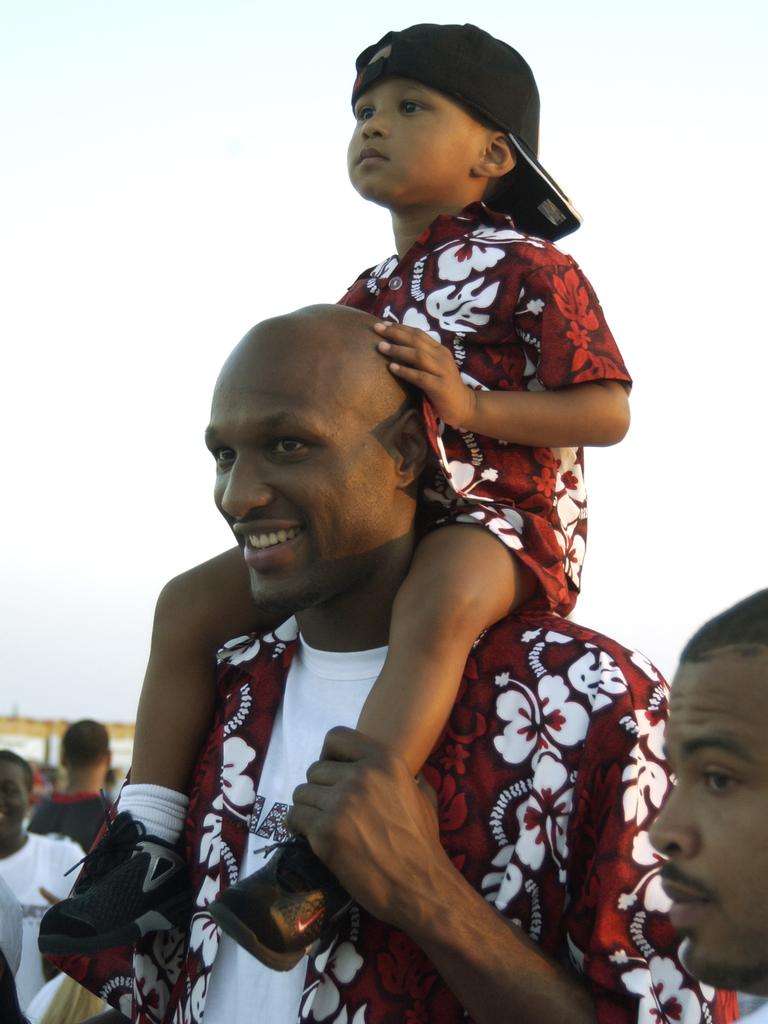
(414, 148)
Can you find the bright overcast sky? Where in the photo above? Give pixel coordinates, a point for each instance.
(173, 172)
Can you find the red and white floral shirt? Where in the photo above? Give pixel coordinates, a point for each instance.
(548, 776)
(518, 315)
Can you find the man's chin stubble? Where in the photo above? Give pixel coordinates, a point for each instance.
(752, 977)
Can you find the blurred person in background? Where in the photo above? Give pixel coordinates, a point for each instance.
(77, 810)
(10, 956)
(32, 866)
(63, 1001)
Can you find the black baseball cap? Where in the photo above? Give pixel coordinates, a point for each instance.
(491, 78)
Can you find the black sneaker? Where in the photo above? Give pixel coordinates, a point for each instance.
(132, 883)
(280, 911)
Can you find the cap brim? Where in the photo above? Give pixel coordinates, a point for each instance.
(535, 201)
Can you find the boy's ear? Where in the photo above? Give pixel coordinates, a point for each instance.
(497, 159)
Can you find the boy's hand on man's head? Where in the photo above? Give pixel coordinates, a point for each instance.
(417, 358)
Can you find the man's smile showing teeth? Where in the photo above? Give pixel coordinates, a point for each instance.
(269, 540)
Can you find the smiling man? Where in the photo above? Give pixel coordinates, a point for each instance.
(513, 905)
(714, 825)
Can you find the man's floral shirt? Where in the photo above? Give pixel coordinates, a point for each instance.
(518, 315)
(548, 776)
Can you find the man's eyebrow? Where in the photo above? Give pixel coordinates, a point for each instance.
(279, 421)
(283, 421)
(714, 741)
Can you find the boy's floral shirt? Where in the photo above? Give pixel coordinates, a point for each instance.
(518, 315)
(548, 776)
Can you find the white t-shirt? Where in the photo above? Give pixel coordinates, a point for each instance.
(758, 1017)
(42, 861)
(323, 689)
(44, 998)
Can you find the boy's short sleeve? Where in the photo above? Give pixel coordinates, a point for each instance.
(562, 318)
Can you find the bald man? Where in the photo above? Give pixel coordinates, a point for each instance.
(545, 777)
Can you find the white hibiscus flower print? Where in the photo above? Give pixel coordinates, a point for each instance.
(550, 637)
(653, 728)
(649, 886)
(179, 1014)
(543, 817)
(477, 251)
(125, 1005)
(598, 676)
(245, 648)
(464, 477)
(664, 998)
(385, 268)
(501, 887)
(459, 310)
(413, 318)
(240, 649)
(471, 255)
(337, 964)
(238, 789)
(204, 936)
(540, 724)
(640, 661)
(150, 992)
(655, 738)
(197, 999)
(286, 631)
(509, 526)
(647, 782)
(168, 950)
(210, 844)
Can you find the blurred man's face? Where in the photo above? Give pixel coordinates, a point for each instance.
(14, 802)
(714, 825)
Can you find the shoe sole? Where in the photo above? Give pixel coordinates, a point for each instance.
(173, 914)
(232, 926)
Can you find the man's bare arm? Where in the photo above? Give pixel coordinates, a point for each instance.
(370, 823)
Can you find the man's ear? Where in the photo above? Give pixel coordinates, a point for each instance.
(497, 159)
(409, 446)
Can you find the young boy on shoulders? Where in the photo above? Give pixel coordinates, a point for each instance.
(506, 341)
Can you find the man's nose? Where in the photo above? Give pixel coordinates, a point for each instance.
(674, 833)
(245, 490)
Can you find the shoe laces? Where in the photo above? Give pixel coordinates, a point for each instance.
(271, 847)
(116, 845)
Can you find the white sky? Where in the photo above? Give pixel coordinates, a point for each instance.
(173, 172)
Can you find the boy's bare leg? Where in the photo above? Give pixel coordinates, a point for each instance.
(461, 581)
(120, 894)
(196, 613)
